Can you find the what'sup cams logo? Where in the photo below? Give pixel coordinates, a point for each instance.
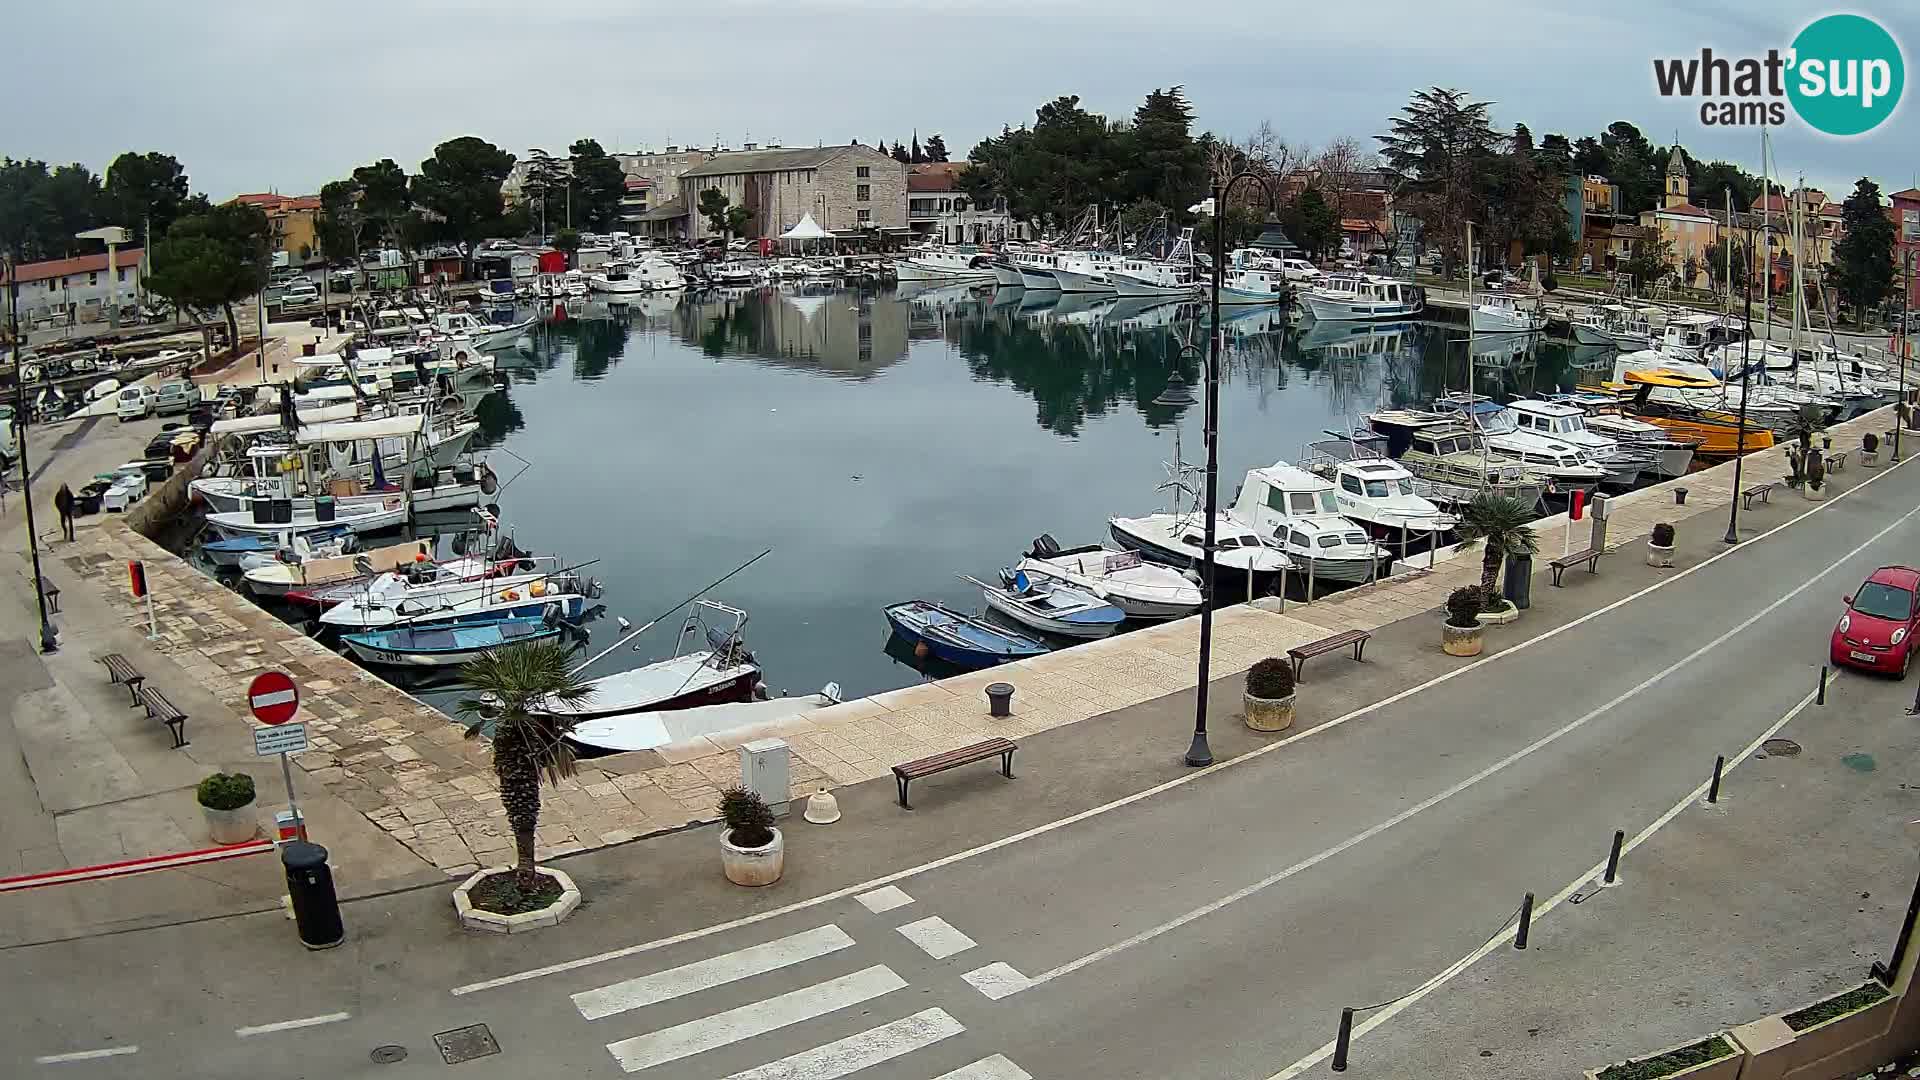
(1843, 76)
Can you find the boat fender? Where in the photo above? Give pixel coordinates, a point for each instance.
(510, 594)
(760, 692)
(920, 650)
(488, 484)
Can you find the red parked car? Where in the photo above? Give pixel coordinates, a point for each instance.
(1877, 632)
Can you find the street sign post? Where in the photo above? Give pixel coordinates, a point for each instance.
(274, 700)
(137, 581)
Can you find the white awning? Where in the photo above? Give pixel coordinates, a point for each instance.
(806, 230)
(386, 427)
(248, 425)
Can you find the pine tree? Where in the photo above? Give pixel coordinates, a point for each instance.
(936, 148)
(900, 154)
(914, 155)
(1863, 259)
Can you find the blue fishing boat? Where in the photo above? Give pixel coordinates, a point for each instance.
(447, 646)
(962, 640)
(232, 552)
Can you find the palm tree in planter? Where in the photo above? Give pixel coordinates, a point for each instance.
(512, 684)
(1268, 704)
(1502, 524)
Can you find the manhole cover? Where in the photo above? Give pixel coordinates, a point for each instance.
(1780, 747)
(387, 1055)
(465, 1044)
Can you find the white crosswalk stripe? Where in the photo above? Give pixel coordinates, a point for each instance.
(936, 937)
(885, 898)
(756, 1018)
(996, 1067)
(716, 971)
(844, 1057)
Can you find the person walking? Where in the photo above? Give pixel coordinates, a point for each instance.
(63, 502)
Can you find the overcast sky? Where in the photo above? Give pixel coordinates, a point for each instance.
(286, 96)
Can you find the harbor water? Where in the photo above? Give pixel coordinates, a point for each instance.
(881, 442)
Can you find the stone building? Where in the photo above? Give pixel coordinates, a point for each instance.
(848, 189)
(80, 289)
(938, 210)
(1688, 229)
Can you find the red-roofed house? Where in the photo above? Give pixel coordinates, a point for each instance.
(938, 210)
(79, 287)
(290, 223)
(1906, 238)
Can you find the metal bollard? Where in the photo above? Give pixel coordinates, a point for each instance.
(999, 699)
(316, 910)
(1526, 922)
(1679, 496)
(1820, 696)
(1613, 857)
(1713, 791)
(1341, 1040)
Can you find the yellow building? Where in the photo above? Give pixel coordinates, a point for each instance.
(1687, 229)
(290, 223)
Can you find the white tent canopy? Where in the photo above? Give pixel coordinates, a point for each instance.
(807, 229)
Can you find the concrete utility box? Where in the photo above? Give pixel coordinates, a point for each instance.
(1602, 509)
(763, 771)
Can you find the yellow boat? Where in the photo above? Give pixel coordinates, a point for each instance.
(1716, 430)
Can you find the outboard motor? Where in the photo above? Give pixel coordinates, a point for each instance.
(1045, 546)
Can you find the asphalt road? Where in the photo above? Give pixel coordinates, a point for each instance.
(1212, 929)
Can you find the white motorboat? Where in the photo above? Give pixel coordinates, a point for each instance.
(1567, 423)
(435, 596)
(1364, 296)
(299, 548)
(1149, 277)
(649, 730)
(1451, 460)
(937, 263)
(1036, 269)
(1569, 467)
(1672, 456)
(1050, 605)
(1688, 337)
(1142, 589)
(641, 276)
(1008, 276)
(1613, 324)
(1379, 493)
(1498, 314)
(233, 494)
(1251, 285)
(483, 334)
(362, 518)
(1179, 540)
(1084, 272)
(1299, 511)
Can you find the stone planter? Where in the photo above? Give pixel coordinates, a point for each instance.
(475, 919)
(1268, 714)
(232, 826)
(1659, 556)
(1461, 640)
(1725, 1067)
(1869, 460)
(1507, 613)
(753, 867)
(1812, 493)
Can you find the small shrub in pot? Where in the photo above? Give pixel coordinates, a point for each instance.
(1660, 545)
(1663, 535)
(752, 851)
(1464, 606)
(225, 791)
(1271, 678)
(1870, 443)
(1268, 705)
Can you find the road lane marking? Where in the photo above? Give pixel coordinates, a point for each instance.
(997, 980)
(86, 1055)
(884, 899)
(936, 937)
(1187, 777)
(754, 1018)
(714, 971)
(996, 1067)
(289, 1025)
(1491, 770)
(844, 1057)
(1590, 875)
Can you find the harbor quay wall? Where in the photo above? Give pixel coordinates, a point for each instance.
(411, 770)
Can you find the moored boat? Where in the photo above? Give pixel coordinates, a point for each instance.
(1051, 606)
(1142, 589)
(447, 646)
(962, 640)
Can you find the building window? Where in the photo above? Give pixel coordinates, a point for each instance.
(863, 193)
(866, 216)
(862, 172)
(93, 277)
(123, 274)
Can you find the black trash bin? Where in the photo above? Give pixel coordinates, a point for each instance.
(1518, 586)
(316, 911)
(323, 508)
(283, 511)
(262, 511)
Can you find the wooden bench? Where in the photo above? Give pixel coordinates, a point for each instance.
(1302, 653)
(159, 708)
(908, 772)
(1837, 461)
(1763, 492)
(1591, 556)
(122, 672)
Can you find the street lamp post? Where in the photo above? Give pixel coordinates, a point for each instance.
(1906, 294)
(1199, 754)
(1746, 365)
(48, 641)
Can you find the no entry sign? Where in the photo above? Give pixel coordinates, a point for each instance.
(273, 697)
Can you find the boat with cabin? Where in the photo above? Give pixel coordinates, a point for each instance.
(1497, 313)
(934, 262)
(1299, 511)
(1569, 467)
(1439, 449)
(1364, 296)
(1141, 589)
(1379, 493)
